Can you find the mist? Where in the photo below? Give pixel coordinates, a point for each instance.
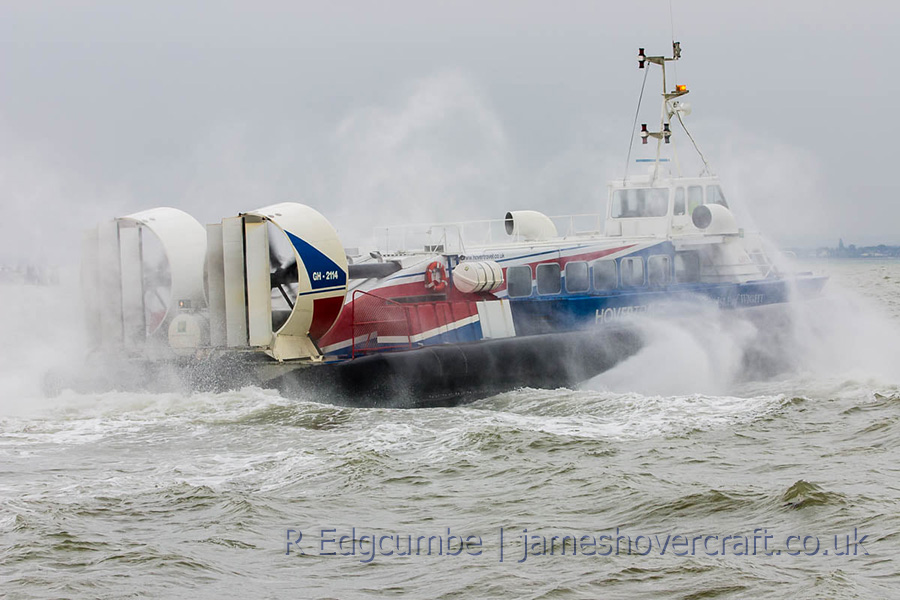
(412, 113)
(841, 339)
(429, 112)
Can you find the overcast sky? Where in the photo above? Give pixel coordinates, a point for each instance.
(378, 112)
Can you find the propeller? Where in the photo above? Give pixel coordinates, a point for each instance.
(157, 283)
(283, 274)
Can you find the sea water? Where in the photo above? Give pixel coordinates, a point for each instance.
(682, 472)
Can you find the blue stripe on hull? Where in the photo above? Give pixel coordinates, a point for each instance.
(548, 314)
(564, 312)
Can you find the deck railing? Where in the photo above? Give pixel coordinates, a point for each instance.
(380, 316)
(455, 237)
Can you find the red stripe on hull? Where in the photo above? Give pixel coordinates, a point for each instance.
(416, 318)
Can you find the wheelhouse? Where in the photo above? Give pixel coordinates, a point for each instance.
(657, 208)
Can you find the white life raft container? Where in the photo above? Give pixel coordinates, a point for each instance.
(477, 276)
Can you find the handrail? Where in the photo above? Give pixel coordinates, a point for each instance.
(438, 234)
(354, 351)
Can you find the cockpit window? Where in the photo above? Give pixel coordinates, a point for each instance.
(714, 195)
(695, 197)
(640, 202)
(679, 201)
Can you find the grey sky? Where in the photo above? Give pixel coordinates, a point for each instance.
(375, 112)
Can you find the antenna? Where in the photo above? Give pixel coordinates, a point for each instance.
(676, 53)
(637, 113)
(664, 133)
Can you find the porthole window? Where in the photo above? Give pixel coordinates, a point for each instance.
(518, 281)
(548, 278)
(658, 270)
(577, 279)
(632, 271)
(605, 274)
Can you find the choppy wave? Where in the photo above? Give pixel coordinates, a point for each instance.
(121, 494)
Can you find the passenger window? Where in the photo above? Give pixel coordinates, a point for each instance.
(658, 270)
(714, 195)
(577, 276)
(632, 271)
(548, 280)
(695, 197)
(679, 201)
(605, 275)
(518, 281)
(687, 267)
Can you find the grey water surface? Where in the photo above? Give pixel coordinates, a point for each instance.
(724, 481)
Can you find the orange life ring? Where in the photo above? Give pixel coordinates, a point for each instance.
(436, 277)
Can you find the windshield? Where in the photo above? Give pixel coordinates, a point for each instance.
(640, 202)
(714, 195)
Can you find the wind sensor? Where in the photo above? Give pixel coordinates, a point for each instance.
(665, 131)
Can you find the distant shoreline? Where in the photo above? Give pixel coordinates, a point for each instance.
(880, 251)
(847, 258)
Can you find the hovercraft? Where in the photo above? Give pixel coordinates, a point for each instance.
(433, 315)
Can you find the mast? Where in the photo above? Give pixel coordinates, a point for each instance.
(669, 105)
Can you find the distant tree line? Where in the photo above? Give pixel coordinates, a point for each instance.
(849, 251)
